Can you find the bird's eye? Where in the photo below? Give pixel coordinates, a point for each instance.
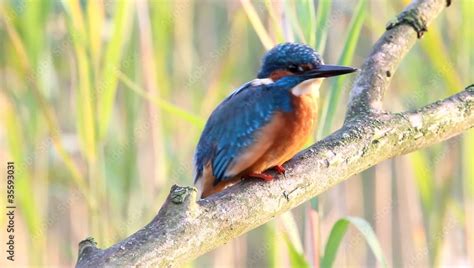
(292, 68)
(295, 68)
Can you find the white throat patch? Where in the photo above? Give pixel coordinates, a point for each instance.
(306, 87)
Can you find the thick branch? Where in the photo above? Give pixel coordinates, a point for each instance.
(185, 229)
(379, 67)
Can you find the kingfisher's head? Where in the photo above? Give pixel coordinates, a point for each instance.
(297, 59)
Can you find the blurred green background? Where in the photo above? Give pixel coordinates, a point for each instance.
(102, 103)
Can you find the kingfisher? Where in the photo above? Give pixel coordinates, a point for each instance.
(265, 122)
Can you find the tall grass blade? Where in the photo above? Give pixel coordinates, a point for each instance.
(293, 241)
(322, 24)
(162, 104)
(275, 21)
(86, 124)
(272, 244)
(111, 63)
(311, 30)
(468, 189)
(439, 56)
(257, 24)
(295, 12)
(162, 18)
(331, 103)
(95, 24)
(297, 258)
(424, 176)
(339, 230)
(35, 17)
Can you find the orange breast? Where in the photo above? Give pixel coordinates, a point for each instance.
(290, 139)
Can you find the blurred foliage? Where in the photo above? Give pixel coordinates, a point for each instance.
(102, 103)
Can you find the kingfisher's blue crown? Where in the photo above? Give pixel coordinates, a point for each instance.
(286, 55)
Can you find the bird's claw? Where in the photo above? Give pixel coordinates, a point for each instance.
(280, 169)
(261, 176)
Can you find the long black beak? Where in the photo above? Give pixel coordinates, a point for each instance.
(328, 71)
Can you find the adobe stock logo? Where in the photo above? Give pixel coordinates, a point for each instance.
(10, 208)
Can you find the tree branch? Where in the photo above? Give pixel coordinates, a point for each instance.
(185, 229)
(379, 67)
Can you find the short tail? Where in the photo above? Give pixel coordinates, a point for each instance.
(205, 182)
(198, 183)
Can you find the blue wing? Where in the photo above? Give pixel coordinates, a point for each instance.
(231, 127)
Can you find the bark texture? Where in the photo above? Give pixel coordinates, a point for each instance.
(185, 228)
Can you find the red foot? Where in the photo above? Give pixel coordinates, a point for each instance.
(279, 169)
(262, 176)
